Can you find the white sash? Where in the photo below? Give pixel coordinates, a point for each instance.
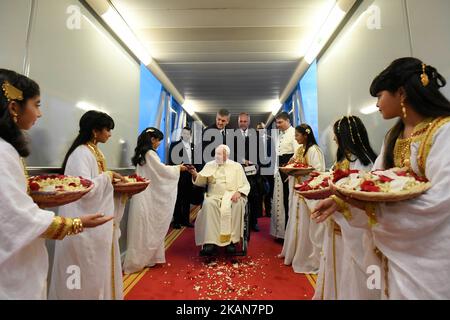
(225, 217)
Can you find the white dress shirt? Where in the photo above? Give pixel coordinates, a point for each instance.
(286, 142)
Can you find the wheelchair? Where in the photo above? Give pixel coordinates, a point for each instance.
(246, 234)
(242, 246)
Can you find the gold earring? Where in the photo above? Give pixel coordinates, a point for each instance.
(15, 117)
(402, 104)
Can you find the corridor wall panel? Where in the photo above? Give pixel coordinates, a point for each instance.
(13, 33)
(430, 33)
(345, 71)
(80, 67)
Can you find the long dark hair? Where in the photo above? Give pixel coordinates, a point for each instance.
(310, 139)
(89, 121)
(9, 130)
(144, 144)
(352, 138)
(427, 100)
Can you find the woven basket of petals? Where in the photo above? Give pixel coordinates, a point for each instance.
(391, 185)
(50, 191)
(296, 169)
(135, 184)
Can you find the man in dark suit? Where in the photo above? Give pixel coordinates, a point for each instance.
(215, 135)
(245, 153)
(182, 151)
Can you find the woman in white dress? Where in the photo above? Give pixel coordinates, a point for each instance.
(23, 225)
(303, 239)
(413, 236)
(93, 252)
(151, 210)
(346, 257)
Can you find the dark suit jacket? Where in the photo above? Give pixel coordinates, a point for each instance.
(267, 149)
(250, 145)
(186, 188)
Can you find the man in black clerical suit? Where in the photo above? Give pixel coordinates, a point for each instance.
(182, 151)
(246, 153)
(215, 135)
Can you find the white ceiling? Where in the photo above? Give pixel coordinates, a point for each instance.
(234, 54)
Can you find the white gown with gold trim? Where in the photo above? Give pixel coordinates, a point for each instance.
(90, 251)
(150, 214)
(414, 235)
(303, 238)
(347, 253)
(23, 255)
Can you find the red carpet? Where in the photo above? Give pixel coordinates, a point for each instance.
(186, 276)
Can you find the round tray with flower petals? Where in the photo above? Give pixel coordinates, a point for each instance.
(49, 191)
(315, 194)
(135, 184)
(383, 196)
(296, 171)
(316, 187)
(369, 194)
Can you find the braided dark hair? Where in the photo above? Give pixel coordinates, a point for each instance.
(352, 138)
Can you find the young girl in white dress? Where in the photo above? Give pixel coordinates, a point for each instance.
(413, 236)
(93, 252)
(303, 239)
(151, 210)
(345, 258)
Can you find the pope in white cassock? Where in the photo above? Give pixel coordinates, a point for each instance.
(220, 222)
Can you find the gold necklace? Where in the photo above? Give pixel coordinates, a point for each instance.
(402, 148)
(101, 161)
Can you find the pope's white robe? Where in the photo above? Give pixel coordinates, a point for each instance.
(285, 144)
(346, 256)
(414, 235)
(219, 215)
(23, 255)
(303, 238)
(88, 254)
(150, 214)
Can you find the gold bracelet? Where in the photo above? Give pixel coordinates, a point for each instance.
(343, 207)
(77, 226)
(58, 229)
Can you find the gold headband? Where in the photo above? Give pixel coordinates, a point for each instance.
(11, 92)
(424, 77)
(150, 130)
